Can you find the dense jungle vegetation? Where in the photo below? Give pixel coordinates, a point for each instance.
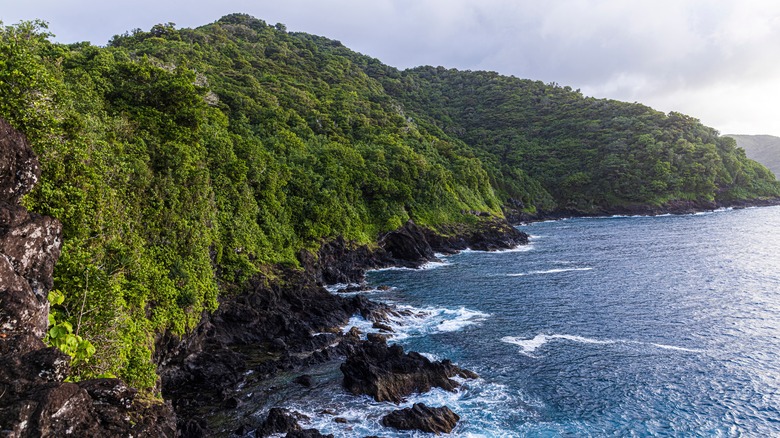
(183, 161)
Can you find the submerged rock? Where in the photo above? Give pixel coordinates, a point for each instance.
(281, 421)
(388, 374)
(304, 380)
(421, 417)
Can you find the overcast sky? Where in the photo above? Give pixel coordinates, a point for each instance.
(716, 60)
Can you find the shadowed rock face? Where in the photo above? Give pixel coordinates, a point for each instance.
(421, 417)
(29, 247)
(389, 374)
(19, 170)
(34, 400)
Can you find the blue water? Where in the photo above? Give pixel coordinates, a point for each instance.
(624, 326)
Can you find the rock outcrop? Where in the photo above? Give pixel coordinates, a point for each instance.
(34, 399)
(410, 246)
(271, 327)
(388, 374)
(488, 235)
(421, 417)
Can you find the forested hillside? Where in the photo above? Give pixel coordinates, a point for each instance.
(184, 161)
(763, 148)
(586, 154)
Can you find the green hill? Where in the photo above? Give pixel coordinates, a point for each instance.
(184, 161)
(763, 148)
(548, 146)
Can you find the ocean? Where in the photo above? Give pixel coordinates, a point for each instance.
(615, 326)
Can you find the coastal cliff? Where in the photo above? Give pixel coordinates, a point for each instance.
(35, 399)
(208, 183)
(285, 321)
(282, 320)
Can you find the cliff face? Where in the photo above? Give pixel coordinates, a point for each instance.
(34, 399)
(29, 247)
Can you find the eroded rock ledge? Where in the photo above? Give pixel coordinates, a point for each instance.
(422, 417)
(410, 246)
(387, 373)
(285, 321)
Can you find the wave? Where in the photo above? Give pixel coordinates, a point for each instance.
(523, 247)
(341, 289)
(391, 268)
(717, 210)
(548, 271)
(675, 348)
(434, 265)
(363, 414)
(424, 267)
(529, 346)
(408, 321)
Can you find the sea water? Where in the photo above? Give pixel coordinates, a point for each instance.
(619, 326)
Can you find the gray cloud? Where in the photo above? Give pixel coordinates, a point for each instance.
(717, 60)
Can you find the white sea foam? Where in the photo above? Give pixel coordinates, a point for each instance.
(673, 347)
(339, 289)
(412, 322)
(363, 415)
(524, 247)
(334, 288)
(548, 271)
(391, 268)
(434, 265)
(529, 346)
(424, 267)
(431, 357)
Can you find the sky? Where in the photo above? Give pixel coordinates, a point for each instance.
(716, 60)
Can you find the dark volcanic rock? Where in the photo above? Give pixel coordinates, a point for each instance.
(283, 421)
(304, 380)
(272, 326)
(411, 246)
(339, 261)
(389, 374)
(421, 417)
(488, 235)
(19, 169)
(408, 245)
(278, 421)
(34, 400)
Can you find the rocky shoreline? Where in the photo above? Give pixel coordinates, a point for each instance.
(285, 327)
(675, 207)
(35, 399)
(282, 322)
